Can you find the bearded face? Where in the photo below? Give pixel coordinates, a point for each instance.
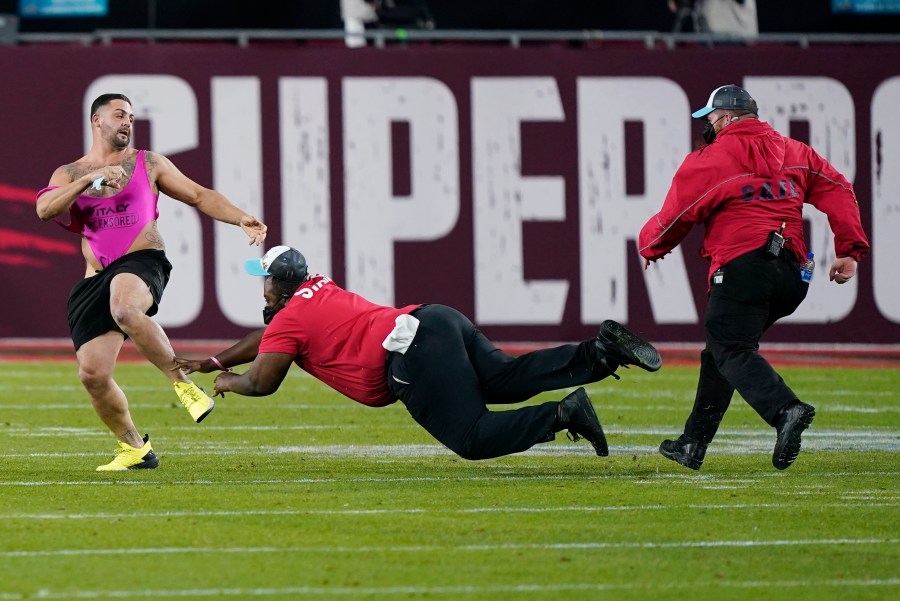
(115, 121)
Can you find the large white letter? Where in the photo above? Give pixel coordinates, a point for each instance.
(610, 218)
(305, 174)
(503, 199)
(237, 173)
(886, 198)
(375, 216)
(169, 104)
(828, 107)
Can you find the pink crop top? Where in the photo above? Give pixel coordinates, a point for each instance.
(112, 224)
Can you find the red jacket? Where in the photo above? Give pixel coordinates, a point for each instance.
(745, 184)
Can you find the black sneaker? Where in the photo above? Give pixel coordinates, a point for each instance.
(576, 413)
(623, 347)
(686, 451)
(794, 419)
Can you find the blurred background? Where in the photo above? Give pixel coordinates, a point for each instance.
(775, 16)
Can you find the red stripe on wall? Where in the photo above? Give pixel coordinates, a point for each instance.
(15, 194)
(13, 240)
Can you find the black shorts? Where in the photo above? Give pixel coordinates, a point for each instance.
(89, 313)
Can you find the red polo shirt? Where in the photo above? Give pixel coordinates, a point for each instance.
(336, 337)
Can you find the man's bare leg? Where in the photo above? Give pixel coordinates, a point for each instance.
(129, 301)
(96, 364)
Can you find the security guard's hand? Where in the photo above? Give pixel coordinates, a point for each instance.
(647, 262)
(223, 383)
(204, 366)
(842, 270)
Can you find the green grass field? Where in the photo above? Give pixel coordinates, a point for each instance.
(307, 495)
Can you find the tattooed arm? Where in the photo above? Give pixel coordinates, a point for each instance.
(73, 180)
(168, 179)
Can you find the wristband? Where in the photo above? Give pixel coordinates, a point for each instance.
(218, 364)
(97, 183)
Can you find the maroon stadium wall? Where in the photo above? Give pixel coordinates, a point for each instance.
(509, 183)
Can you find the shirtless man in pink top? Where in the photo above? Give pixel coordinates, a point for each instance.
(109, 197)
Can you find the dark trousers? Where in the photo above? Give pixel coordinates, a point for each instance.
(452, 371)
(756, 290)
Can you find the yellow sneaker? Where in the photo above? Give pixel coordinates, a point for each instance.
(194, 400)
(130, 458)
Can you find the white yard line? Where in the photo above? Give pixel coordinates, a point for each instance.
(895, 502)
(711, 544)
(725, 445)
(661, 478)
(392, 591)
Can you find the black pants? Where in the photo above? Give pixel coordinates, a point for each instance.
(756, 290)
(451, 371)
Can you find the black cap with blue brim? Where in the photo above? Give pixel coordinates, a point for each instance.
(730, 97)
(280, 262)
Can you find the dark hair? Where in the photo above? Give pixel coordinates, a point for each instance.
(284, 287)
(104, 99)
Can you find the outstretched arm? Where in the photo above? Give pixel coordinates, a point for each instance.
(264, 377)
(174, 183)
(243, 351)
(688, 202)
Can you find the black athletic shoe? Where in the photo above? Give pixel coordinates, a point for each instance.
(794, 419)
(686, 451)
(623, 347)
(576, 413)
